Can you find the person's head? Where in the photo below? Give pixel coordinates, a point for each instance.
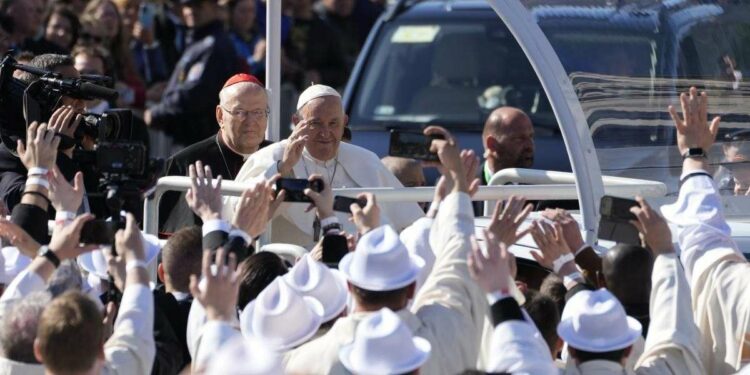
(242, 115)
(508, 139)
(27, 16)
(370, 300)
(65, 278)
(242, 15)
(19, 326)
(408, 171)
(595, 327)
(198, 13)
(91, 59)
(6, 33)
(181, 257)
(544, 313)
(70, 336)
(61, 27)
(553, 287)
(129, 11)
(626, 271)
(341, 8)
(256, 273)
(62, 64)
(321, 107)
(105, 17)
(737, 156)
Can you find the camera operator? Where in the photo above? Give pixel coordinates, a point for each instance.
(64, 120)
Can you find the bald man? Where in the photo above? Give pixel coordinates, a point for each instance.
(508, 140)
(242, 116)
(408, 171)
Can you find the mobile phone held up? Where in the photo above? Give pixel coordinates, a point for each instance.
(412, 144)
(342, 204)
(615, 220)
(295, 188)
(100, 232)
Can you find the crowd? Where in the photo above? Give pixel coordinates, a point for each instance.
(374, 288)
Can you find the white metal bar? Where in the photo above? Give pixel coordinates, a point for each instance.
(273, 67)
(422, 194)
(565, 105)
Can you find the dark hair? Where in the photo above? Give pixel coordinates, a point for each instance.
(613, 356)
(48, 61)
(67, 13)
(544, 313)
(256, 273)
(6, 23)
(182, 256)
(553, 287)
(627, 272)
(387, 298)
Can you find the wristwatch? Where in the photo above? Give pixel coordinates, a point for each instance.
(50, 255)
(694, 152)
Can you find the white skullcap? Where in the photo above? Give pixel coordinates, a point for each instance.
(314, 92)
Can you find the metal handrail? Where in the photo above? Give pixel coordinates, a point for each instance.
(617, 186)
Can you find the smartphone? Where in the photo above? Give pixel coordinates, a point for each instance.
(342, 204)
(411, 144)
(615, 220)
(146, 13)
(617, 208)
(295, 188)
(100, 232)
(334, 249)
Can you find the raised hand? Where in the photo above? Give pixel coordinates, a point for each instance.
(40, 150)
(65, 121)
(653, 228)
(252, 210)
(129, 241)
(63, 196)
(570, 229)
(294, 147)
(550, 242)
(203, 197)
(492, 271)
(505, 225)
(323, 201)
(219, 297)
(451, 164)
(65, 241)
(694, 130)
(366, 218)
(471, 166)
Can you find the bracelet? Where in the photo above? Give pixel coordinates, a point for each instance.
(560, 261)
(38, 171)
(38, 180)
(573, 277)
(38, 194)
(65, 215)
(135, 263)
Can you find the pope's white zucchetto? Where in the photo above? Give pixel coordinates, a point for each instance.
(314, 92)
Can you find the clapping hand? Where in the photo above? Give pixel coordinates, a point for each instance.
(204, 198)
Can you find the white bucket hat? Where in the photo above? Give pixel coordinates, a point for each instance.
(15, 262)
(595, 321)
(384, 345)
(245, 356)
(313, 279)
(95, 263)
(381, 262)
(281, 317)
(314, 92)
(286, 251)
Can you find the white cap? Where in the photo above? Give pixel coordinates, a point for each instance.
(245, 356)
(94, 263)
(314, 92)
(595, 321)
(15, 262)
(381, 262)
(383, 344)
(313, 279)
(281, 317)
(286, 251)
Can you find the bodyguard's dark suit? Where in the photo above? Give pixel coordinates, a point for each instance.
(174, 212)
(188, 106)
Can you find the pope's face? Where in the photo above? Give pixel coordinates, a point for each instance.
(326, 121)
(242, 116)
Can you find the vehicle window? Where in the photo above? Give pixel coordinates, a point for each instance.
(628, 63)
(449, 72)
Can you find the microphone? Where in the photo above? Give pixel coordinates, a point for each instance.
(79, 89)
(93, 90)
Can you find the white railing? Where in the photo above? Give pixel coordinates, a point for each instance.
(549, 186)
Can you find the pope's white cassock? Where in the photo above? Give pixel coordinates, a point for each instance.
(353, 167)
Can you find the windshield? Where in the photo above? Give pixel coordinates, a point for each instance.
(448, 71)
(629, 63)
